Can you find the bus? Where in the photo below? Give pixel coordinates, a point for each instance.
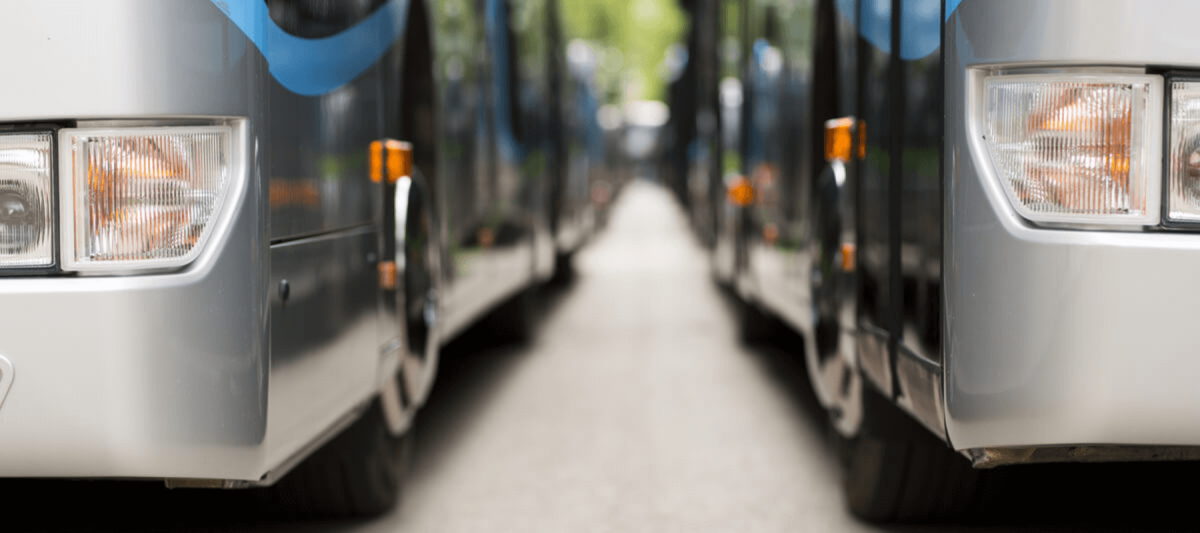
(981, 216)
(235, 233)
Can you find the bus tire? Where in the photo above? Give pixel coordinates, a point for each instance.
(360, 473)
(895, 470)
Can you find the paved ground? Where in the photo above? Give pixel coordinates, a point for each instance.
(634, 410)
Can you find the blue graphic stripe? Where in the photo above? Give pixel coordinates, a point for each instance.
(920, 23)
(313, 67)
(951, 5)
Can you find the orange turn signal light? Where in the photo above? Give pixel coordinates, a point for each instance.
(399, 160)
(861, 148)
(848, 257)
(845, 138)
(839, 139)
(740, 191)
(375, 161)
(387, 275)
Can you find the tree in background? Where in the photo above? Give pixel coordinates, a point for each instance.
(632, 38)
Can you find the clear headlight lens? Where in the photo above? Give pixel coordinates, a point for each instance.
(143, 197)
(1076, 148)
(1184, 199)
(26, 201)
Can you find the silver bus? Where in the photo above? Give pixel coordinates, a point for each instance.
(234, 233)
(981, 216)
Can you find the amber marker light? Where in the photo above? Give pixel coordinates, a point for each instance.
(861, 149)
(376, 161)
(387, 275)
(740, 191)
(485, 236)
(770, 233)
(848, 257)
(839, 139)
(399, 160)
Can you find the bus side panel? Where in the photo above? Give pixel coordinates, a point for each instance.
(498, 244)
(779, 156)
(572, 127)
(875, 294)
(465, 184)
(327, 333)
(846, 29)
(919, 354)
(528, 19)
(324, 344)
(729, 246)
(318, 150)
(703, 150)
(921, 208)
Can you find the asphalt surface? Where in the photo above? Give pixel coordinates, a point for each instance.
(634, 409)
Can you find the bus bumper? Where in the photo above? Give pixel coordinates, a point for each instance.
(148, 376)
(1054, 341)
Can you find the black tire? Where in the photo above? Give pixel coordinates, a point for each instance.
(896, 471)
(360, 473)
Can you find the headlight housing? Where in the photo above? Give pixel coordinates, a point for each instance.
(1076, 148)
(1183, 157)
(141, 198)
(27, 208)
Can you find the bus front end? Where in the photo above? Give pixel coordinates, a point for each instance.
(133, 268)
(1072, 243)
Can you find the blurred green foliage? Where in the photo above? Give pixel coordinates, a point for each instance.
(633, 37)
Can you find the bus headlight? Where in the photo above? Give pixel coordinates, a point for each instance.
(141, 197)
(1077, 148)
(26, 201)
(1184, 159)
